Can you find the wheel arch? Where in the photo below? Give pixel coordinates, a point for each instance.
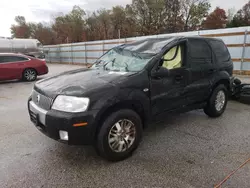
(221, 78)
(223, 81)
(128, 104)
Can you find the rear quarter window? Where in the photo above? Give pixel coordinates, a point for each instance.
(220, 51)
(199, 49)
(200, 54)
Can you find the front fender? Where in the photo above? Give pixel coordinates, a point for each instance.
(122, 99)
(113, 97)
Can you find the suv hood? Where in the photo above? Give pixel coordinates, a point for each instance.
(79, 81)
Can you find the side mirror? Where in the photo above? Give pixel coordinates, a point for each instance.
(161, 72)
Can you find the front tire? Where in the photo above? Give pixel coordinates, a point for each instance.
(29, 75)
(119, 135)
(218, 102)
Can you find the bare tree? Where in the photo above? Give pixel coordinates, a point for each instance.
(150, 16)
(194, 11)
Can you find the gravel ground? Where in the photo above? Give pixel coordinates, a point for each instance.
(187, 150)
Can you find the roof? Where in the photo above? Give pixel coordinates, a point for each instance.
(155, 45)
(12, 54)
(200, 37)
(149, 46)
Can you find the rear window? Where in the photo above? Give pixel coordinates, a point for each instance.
(7, 59)
(220, 51)
(200, 54)
(199, 49)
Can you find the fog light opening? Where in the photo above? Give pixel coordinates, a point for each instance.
(64, 135)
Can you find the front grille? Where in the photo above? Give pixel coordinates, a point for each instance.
(42, 101)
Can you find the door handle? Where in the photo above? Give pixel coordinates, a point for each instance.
(178, 78)
(210, 71)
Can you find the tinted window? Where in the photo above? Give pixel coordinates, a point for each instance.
(6, 59)
(199, 49)
(220, 50)
(1, 59)
(200, 54)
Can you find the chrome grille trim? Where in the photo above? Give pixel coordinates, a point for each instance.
(43, 102)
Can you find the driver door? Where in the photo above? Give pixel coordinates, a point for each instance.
(168, 92)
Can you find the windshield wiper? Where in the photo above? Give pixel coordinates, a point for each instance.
(113, 62)
(104, 65)
(134, 54)
(99, 62)
(126, 67)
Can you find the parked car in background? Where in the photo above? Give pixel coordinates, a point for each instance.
(22, 67)
(130, 86)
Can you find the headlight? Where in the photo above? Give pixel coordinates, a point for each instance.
(70, 104)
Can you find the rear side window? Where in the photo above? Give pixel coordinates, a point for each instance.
(7, 59)
(220, 51)
(199, 49)
(200, 53)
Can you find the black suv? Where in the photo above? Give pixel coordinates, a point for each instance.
(109, 104)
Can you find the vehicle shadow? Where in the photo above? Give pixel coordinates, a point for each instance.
(82, 155)
(162, 150)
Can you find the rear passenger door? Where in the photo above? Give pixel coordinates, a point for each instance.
(201, 68)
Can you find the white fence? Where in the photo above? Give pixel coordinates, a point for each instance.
(237, 40)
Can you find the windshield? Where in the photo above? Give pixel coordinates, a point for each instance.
(39, 45)
(122, 60)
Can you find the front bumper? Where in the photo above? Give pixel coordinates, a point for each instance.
(51, 122)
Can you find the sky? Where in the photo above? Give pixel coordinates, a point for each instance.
(44, 10)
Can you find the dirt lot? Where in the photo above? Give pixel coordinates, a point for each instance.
(188, 150)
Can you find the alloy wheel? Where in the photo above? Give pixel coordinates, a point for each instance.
(220, 100)
(122, 135)
(30, 74)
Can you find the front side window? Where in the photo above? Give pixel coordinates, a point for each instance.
(39, 45)
(122, 60)
(17, 58)
(173, 58)
(1, 59)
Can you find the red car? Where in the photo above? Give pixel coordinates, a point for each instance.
(18, 66)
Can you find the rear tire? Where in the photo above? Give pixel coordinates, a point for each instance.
(119, 135)
(29, 75)
(218, 102)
